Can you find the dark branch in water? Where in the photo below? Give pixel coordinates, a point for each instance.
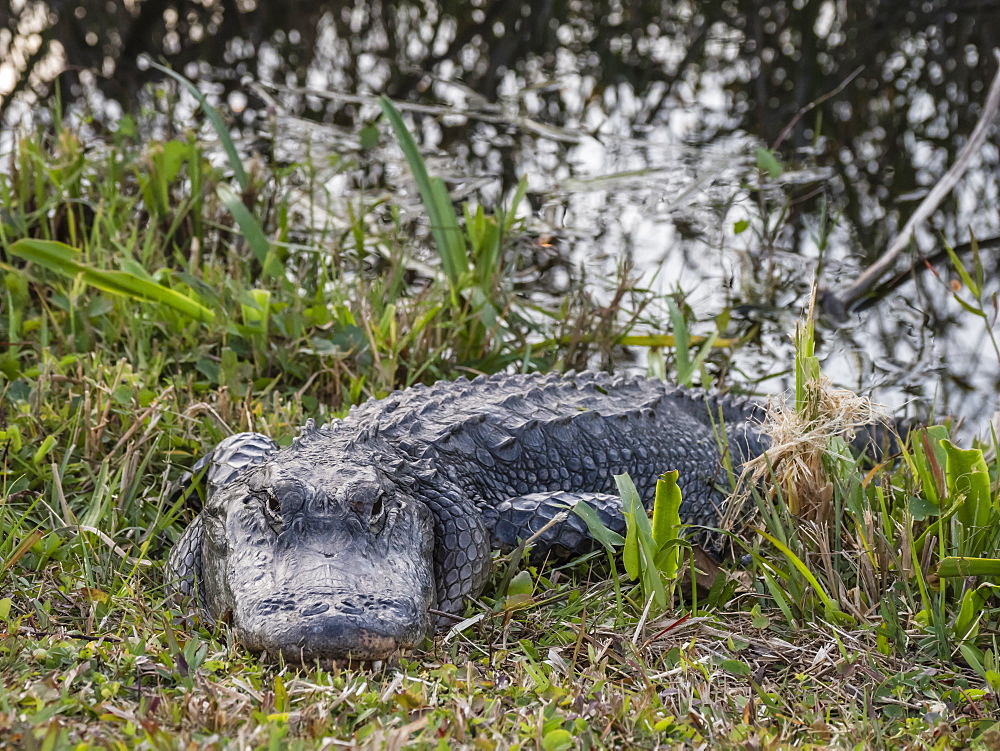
(812, 105)
(839, 305)
(920, 265)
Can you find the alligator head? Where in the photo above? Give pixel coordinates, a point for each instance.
(325, 560)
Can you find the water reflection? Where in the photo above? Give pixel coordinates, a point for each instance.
(637, 125)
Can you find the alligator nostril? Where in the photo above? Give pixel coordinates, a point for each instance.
(316, 608)
(348, 607)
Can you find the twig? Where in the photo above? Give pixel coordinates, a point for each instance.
(920, 265)
(928, 206)
(813, 105)
(525, 123)
(34, 633)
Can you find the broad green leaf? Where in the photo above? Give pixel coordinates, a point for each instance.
(735, 667)
(640, 551)
(667, 523)
(929, 459)
(767, 161)
(255, 307)
(44, 449)
(557, 740)
(65, 260)
(652, 581)
(520, 584)
(968, 478)
(922, 508)
(609, 539)
(635, 515)
(970, 611)
(959, 566)
(174, 154)
(974, 657)
(368, 136)
(11, 437)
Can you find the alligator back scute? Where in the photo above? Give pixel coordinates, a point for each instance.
(503, 434)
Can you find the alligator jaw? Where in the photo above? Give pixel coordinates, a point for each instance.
(336, 628)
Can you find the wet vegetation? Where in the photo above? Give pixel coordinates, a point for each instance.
(547, 186)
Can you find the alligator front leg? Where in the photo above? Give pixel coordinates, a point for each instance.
(462, 553)
(522, 517)
(221, 465)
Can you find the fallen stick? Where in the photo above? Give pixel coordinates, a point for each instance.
(813, 105)
(920, 265)
(839, 305)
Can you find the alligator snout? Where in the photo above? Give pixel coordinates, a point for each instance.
(333, 626)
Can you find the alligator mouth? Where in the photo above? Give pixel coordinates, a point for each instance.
(333, 664)
(332, 627)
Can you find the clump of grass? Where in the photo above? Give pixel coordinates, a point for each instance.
(877, 548)
(803, 435)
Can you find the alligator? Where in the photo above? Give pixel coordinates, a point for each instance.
(349, 543)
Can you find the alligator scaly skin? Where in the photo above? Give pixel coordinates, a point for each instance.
(340, 544)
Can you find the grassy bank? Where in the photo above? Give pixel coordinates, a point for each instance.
(156, 300)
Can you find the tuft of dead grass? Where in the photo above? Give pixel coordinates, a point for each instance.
(800, 436)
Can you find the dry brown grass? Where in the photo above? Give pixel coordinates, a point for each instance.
(800, 436)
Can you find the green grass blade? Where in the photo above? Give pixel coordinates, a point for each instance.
(962, 271)
(510, 215)
(452, 239)
(706, 347)
(437, 203)
(682, 355)
(610, 539)
(829, 605)
(252, 231)
(778, 595)
(807, 368)
(217, 123)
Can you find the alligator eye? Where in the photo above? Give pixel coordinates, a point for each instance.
(376, 521)
(272, 511)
